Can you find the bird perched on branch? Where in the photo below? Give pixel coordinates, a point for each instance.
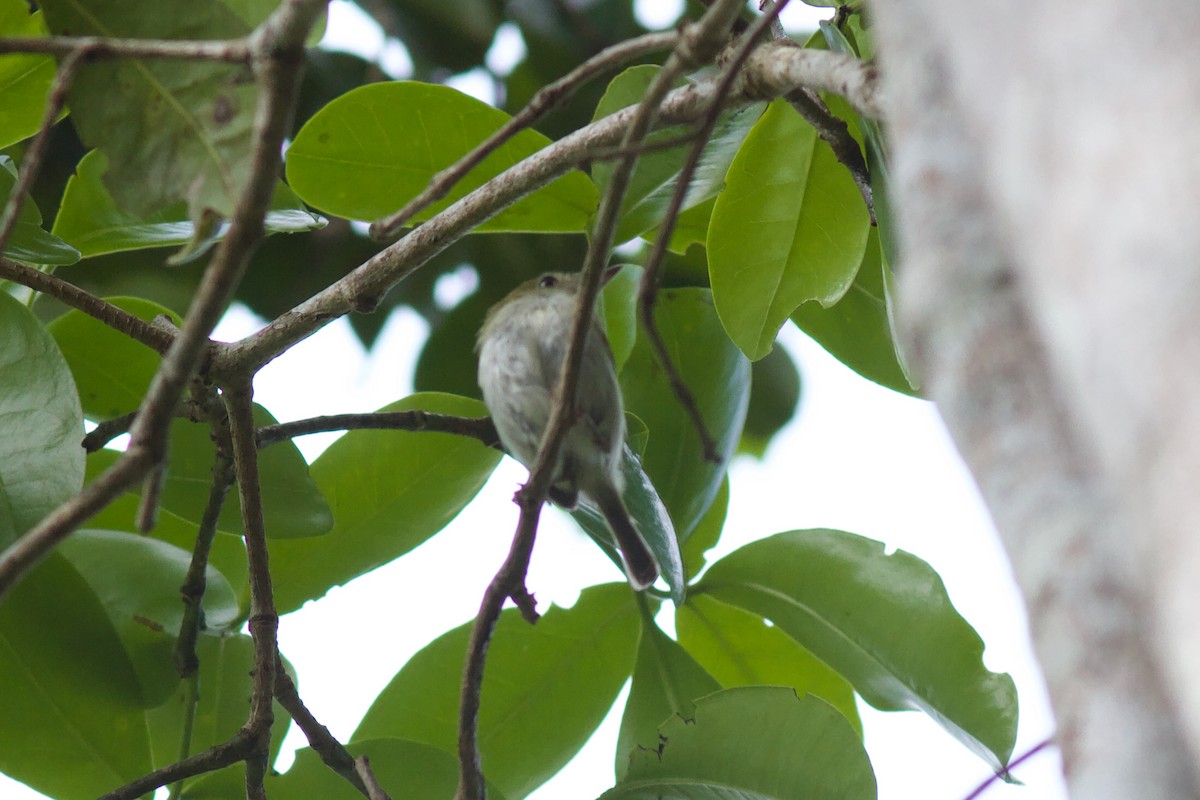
(521, 345)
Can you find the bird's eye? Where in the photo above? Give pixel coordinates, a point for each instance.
(547, 281)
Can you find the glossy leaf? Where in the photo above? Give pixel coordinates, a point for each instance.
(29, 242)
(371, 150)
(292, 505)
(90, 220)
(859, 330)
(173, 130)
(883, 621)
(774, 396)
(739, 649)
(753, 743)
(111, 370)
(651, 518)
(657, 172)
(403, 769)
(41, 424)
(137, 581)
(666, 681)
(620, 312)
(24, 77)
(389, 491)
(790, 227)
(228, 553)
(707, 532)
(719, 378)
(546, 688)
(70, 726)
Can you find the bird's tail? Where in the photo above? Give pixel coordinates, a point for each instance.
(639, 563)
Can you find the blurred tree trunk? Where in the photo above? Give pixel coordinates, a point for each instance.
(1045, 164)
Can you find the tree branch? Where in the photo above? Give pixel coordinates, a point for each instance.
(214, 758)
(416, 420)
(234, 51)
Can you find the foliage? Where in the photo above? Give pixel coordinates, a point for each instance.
(773, 643)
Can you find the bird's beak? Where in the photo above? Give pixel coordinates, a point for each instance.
(610, 273)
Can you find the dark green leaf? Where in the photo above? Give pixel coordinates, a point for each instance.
(370, 151)
(29, 242)
(774, 395)
(389, 491)
(790, 227)
(753, 743)
(24, 77)
(90, 220)
(137, 580)
(111, 370)
(666, 681)
(859, 330)
(719, 378)
(651, 518)
(70, 725)
(657, 172)
(404, 769)
(883, 621)
(452, 36)
(739, 649)
(172, 129)
(545, 690)
(41, 424)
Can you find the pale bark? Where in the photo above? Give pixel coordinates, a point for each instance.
(1046, 174)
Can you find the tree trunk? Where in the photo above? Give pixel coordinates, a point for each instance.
(1047, 181)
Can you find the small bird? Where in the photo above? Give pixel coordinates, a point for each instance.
(522, 344)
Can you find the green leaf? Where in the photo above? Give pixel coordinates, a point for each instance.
(860, 330)
(389, 491)
(883, 621)
(70, 726)
(619, 298)
(41, 424)
(666, 681)
(90, 220)
(739, 649)
(774, 396)
(24, 77)
(657, 172)
(29, 242)
(226, 682)
(228, 553)
(172, 129)
(691, 227)
(753, 743)
(373, 149)
(707, 532)
(292, 504)
(403, 769)
(546, 687)
(111, 370)
(790, 227)
(651, 518)
(719, 378)
(137, 580)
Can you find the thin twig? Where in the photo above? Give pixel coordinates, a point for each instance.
(546, 98)
(106, 431)
(152, 486)
(648, 290)
(264, 620)
(1028, 754)
(477, 428)
(214, 758)
(154, 337)
(232, 51)
(332, 752)
(836, 134)
(362, 765)
(31, 164)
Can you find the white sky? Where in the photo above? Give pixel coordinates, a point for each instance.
(857, 457)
